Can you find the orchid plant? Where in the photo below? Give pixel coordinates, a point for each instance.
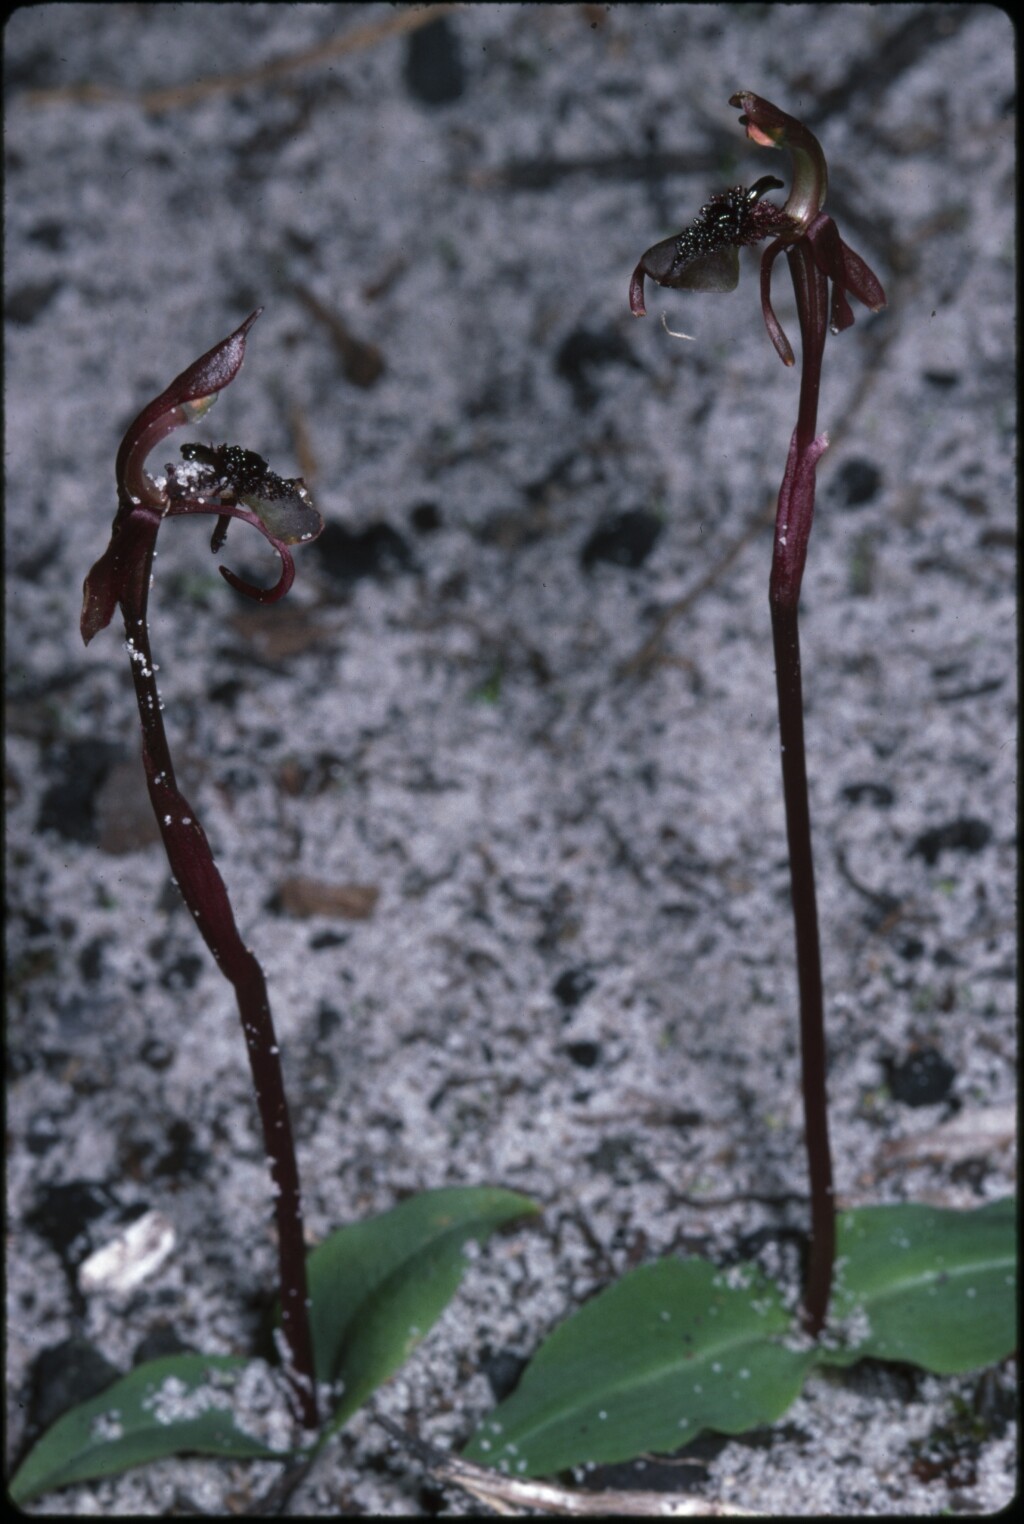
(227, 484)
(706, 258)
(679, 1345)
(353, 1310)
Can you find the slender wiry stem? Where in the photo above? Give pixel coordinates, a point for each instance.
(203, 890)
(792, 531)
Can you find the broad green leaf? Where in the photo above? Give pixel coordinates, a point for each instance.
(928, 1285)
(163, 1407)
(673, 1348)
(378, 1287)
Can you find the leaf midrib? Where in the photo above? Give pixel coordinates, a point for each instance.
(900, 1286)
(649, 1377)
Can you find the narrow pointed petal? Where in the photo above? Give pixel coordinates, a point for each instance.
(845, 269)
(101, 593)
(861, 281)
(827, 246)
(783, 348)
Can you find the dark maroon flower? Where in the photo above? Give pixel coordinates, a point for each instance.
(704, 256)
(282, 511)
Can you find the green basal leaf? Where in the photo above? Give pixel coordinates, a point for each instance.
(928, 1285)
(378, 1287)
(673, 1348)
(680, 1346)
(177, 1404)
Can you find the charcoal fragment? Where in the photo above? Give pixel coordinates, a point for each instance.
(857, 481)
(63, 1376)
(922, 1079)
(68, 805)
(378, 551)
(571, 986)
(585, 350)
(965, 834)
(878, 794)
(586, 1054)
(434, 70)
(623, 539)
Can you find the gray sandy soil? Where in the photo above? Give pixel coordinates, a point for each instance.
(576, 978)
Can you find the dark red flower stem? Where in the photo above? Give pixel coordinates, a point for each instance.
(792, 531)
(203, 890)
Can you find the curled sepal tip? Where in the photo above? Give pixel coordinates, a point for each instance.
(264, 594)
(227, 510)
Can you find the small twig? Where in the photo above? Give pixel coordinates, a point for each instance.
(512, 1498)
(304, 453)
(542, 173)
(362, 363)
(174, 96)
(741, 1198)
(277, 1497)
(642, 660)
(885, 904)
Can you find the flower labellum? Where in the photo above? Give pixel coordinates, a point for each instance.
(283, 506)
(704, 256)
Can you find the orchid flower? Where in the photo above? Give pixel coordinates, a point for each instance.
(282, 511)
(704, 257)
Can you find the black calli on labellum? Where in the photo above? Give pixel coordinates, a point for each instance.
(234, 475)
(705, 256)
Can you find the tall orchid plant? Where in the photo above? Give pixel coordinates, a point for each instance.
(679, 1345)
(705, 258)
(229, 484)
(355, 1308)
